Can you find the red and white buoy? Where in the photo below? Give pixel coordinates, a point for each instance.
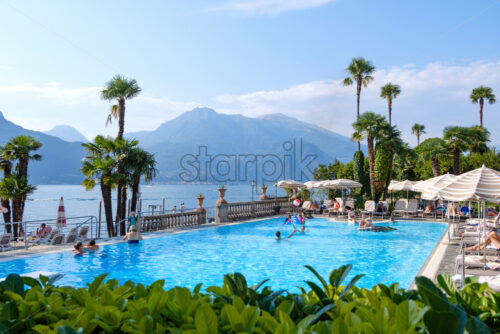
(61, 215)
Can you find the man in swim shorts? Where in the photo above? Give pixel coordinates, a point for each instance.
(133, 236)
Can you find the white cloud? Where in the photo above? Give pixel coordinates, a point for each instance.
(53, 91)
(435, 95)
(273, 7)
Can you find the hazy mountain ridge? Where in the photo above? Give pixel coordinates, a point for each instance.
(270, 135)
(67, 133)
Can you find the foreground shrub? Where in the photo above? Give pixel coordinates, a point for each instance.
(327, 307)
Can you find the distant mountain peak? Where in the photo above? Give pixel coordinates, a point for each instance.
(67, 133)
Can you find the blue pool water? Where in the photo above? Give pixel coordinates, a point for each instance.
(251, 249)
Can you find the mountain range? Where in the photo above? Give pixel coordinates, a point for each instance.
(67, 133)
(230, 142)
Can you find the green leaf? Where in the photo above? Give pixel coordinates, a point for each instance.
(441, 322)
(431, 295)
(408, 315)
(256, 287)
(349, 285)
(54, 278)
(317, 290)
(338, 275)
(68, 330)
(447, 284)
(206, 320)
(197, 289)
(319, 277)
(14, 283)
(96, 284)
(476, 326)
(31, 282)
(321, 312)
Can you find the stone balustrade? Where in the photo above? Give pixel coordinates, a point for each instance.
(230, 212)
(172, 220)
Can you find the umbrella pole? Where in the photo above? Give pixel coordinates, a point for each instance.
(484, 231)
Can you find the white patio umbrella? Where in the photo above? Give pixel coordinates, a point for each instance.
(481, 185)
(423, 186)
(340, 184)
(313, 184)
(290, 184)
(405, 185)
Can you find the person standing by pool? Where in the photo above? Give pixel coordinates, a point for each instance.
(133, 236)
(132, 220)
(183, 207)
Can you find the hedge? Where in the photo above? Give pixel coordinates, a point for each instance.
(28, 305)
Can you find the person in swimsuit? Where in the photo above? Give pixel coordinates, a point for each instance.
(364, 223)
(278, 235)
(133, 236)
(91, 246)
(132, 220)
(78, 248)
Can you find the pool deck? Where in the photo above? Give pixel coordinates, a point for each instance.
(440, 261)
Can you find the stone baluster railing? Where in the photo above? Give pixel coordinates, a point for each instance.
(172, 220)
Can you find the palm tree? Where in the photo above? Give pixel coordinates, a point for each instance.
(479, 136)
(122, 149)
(99, 167)
(433, 149)
(120, 89)
(16, 189)
(20, 149)
(6, 168)
(141, 164)
(370, 126)
(457, 139)
(479, 95)
(390, 92)
(390, 140)
(418, 130)
(359, 71)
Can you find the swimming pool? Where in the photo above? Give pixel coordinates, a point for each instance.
(206, 255)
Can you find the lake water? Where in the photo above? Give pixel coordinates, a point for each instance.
(43, 203)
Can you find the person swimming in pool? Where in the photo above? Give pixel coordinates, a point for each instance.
(91, 246)
(78, 248)
(278, 235)
(364, 223)
(133, 236)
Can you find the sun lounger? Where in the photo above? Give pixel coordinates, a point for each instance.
(58, 239)
(412, 208)
(400, 207)
(82, 235)
(5, 240)
(48, 239)
(72, 235)
(477, 261)
(369, 208)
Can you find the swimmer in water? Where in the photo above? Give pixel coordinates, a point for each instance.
(78, 248)
(364, 223)
(91, 246)
(133, 236)
(278, 235)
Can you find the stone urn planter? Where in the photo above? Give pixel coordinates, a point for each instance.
(263, 196)
(222, 193)
(200, 200)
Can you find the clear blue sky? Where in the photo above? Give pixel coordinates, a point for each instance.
(249, 56)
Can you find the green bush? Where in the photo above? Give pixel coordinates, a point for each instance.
(326, 307)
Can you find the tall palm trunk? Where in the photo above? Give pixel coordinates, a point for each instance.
(456, 161)
(371, 165)
(358, 95)
(481, 104)
(108, 207)
(121, 118)
(418, 138)
(135, 192)
(435, 166)
(6, 202)
(389, 176)
(389, 101)
(123, 210)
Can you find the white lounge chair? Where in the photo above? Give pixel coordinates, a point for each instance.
(47, 239)
(400, 207)
(412, 208)
(5, 240)
(477, 261)
(58, 239)
(72, 235)
(82, 235)
(369, 208)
